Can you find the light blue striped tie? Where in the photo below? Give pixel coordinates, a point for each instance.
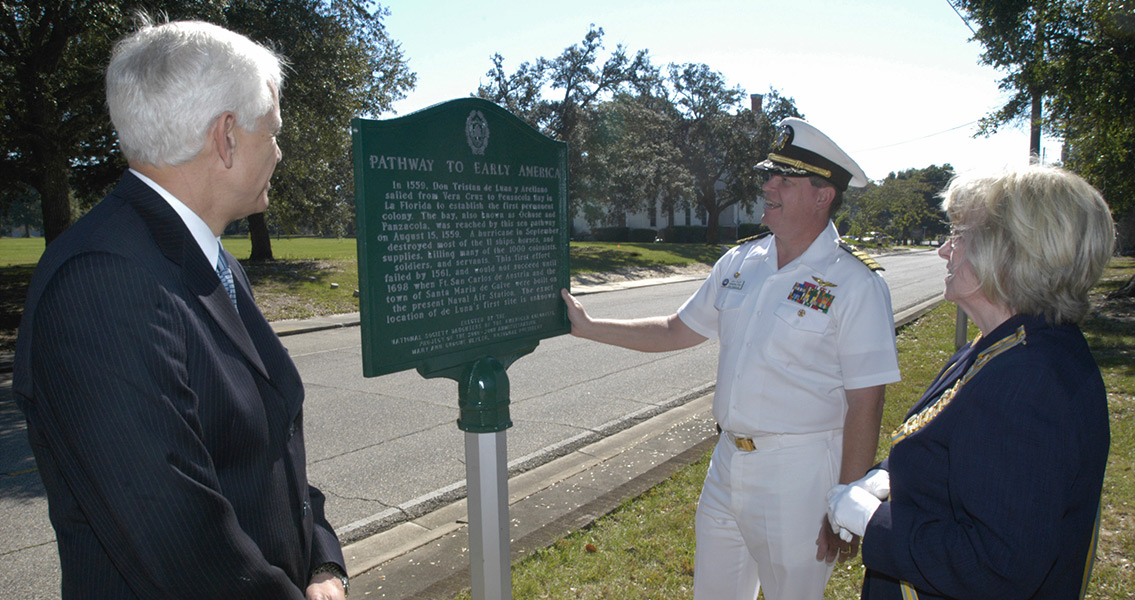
(226, 275)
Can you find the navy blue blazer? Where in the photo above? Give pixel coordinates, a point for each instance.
(167, 428)
(997, 495)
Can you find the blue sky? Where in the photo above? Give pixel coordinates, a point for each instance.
(896, 83)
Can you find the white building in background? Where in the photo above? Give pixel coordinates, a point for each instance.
(730, 219)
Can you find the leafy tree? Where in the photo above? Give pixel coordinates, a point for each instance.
(23, 210)
(720, 142)
(905, 206)
(935, 178)
(339, 45)
(58, 140)
(1080, 55)
(576, 83)
(632, 144)
(55, 133)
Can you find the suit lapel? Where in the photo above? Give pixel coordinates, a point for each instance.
(178, 246)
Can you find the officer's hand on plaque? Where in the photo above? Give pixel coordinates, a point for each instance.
(576, 314)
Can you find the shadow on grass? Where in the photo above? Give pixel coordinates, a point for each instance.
(1111, 329)
(289, 272)
(14, 282)
(592, 259)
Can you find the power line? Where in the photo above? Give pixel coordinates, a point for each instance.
(964, 20)
(930, 135)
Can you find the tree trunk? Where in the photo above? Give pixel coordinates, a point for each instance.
(261, 239)
(1127, 291)
(55, 193)
(712, 224)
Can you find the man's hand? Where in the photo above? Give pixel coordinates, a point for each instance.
(325, 586)
(829, 546)
(576, 314)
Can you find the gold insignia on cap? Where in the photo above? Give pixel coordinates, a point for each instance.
(783, 135)
(799, 164)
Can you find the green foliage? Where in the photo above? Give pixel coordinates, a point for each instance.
(633, 150)
(20, 210)
(637, 138)
(718, 140)
(1080, 55)
(903, 206)
(569, 114)
(342, 64)
(51, 59)
(642, 235)
(684, 234)
(747, 230)
(611, 234)
(57, 139)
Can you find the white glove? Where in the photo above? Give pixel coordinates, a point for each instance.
(849, 509)
(878, 482)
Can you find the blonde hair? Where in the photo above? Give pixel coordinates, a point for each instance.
(1038, 238)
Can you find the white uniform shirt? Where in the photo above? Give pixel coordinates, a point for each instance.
(784, 362)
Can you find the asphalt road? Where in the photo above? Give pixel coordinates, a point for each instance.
(387, 449)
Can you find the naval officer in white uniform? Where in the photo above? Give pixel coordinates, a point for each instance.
(807, 347)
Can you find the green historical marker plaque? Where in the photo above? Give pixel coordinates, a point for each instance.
(462, 236)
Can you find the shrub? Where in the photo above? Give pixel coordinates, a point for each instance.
(611, 234)
(642, 235)
(684, 234)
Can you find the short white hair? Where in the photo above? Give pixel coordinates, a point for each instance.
(1038, 238)
(167, 83)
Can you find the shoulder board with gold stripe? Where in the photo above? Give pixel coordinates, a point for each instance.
(753, 238)
(862, 256)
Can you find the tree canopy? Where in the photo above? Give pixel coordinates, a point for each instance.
(58, 143)
(638, 135)
(1080, 56)
(559, 97)
(903, 206)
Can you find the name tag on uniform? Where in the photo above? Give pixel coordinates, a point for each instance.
(733, 284)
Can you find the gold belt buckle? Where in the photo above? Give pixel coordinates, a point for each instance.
(745, 444)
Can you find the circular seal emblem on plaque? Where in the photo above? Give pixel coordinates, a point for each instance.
(477, 132)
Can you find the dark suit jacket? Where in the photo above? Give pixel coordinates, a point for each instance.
(997, 496)
(168, 428)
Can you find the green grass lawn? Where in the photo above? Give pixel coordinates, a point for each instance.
(645, 548)
(20, 251)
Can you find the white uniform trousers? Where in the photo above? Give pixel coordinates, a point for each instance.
(759, 515)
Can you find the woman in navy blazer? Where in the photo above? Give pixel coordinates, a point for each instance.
(992, 487)
(165, 416)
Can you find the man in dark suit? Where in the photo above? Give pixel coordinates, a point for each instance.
(165, 416)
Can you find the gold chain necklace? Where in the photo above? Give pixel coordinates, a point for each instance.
(921, 418)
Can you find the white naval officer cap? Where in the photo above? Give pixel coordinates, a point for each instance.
(801, 150)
